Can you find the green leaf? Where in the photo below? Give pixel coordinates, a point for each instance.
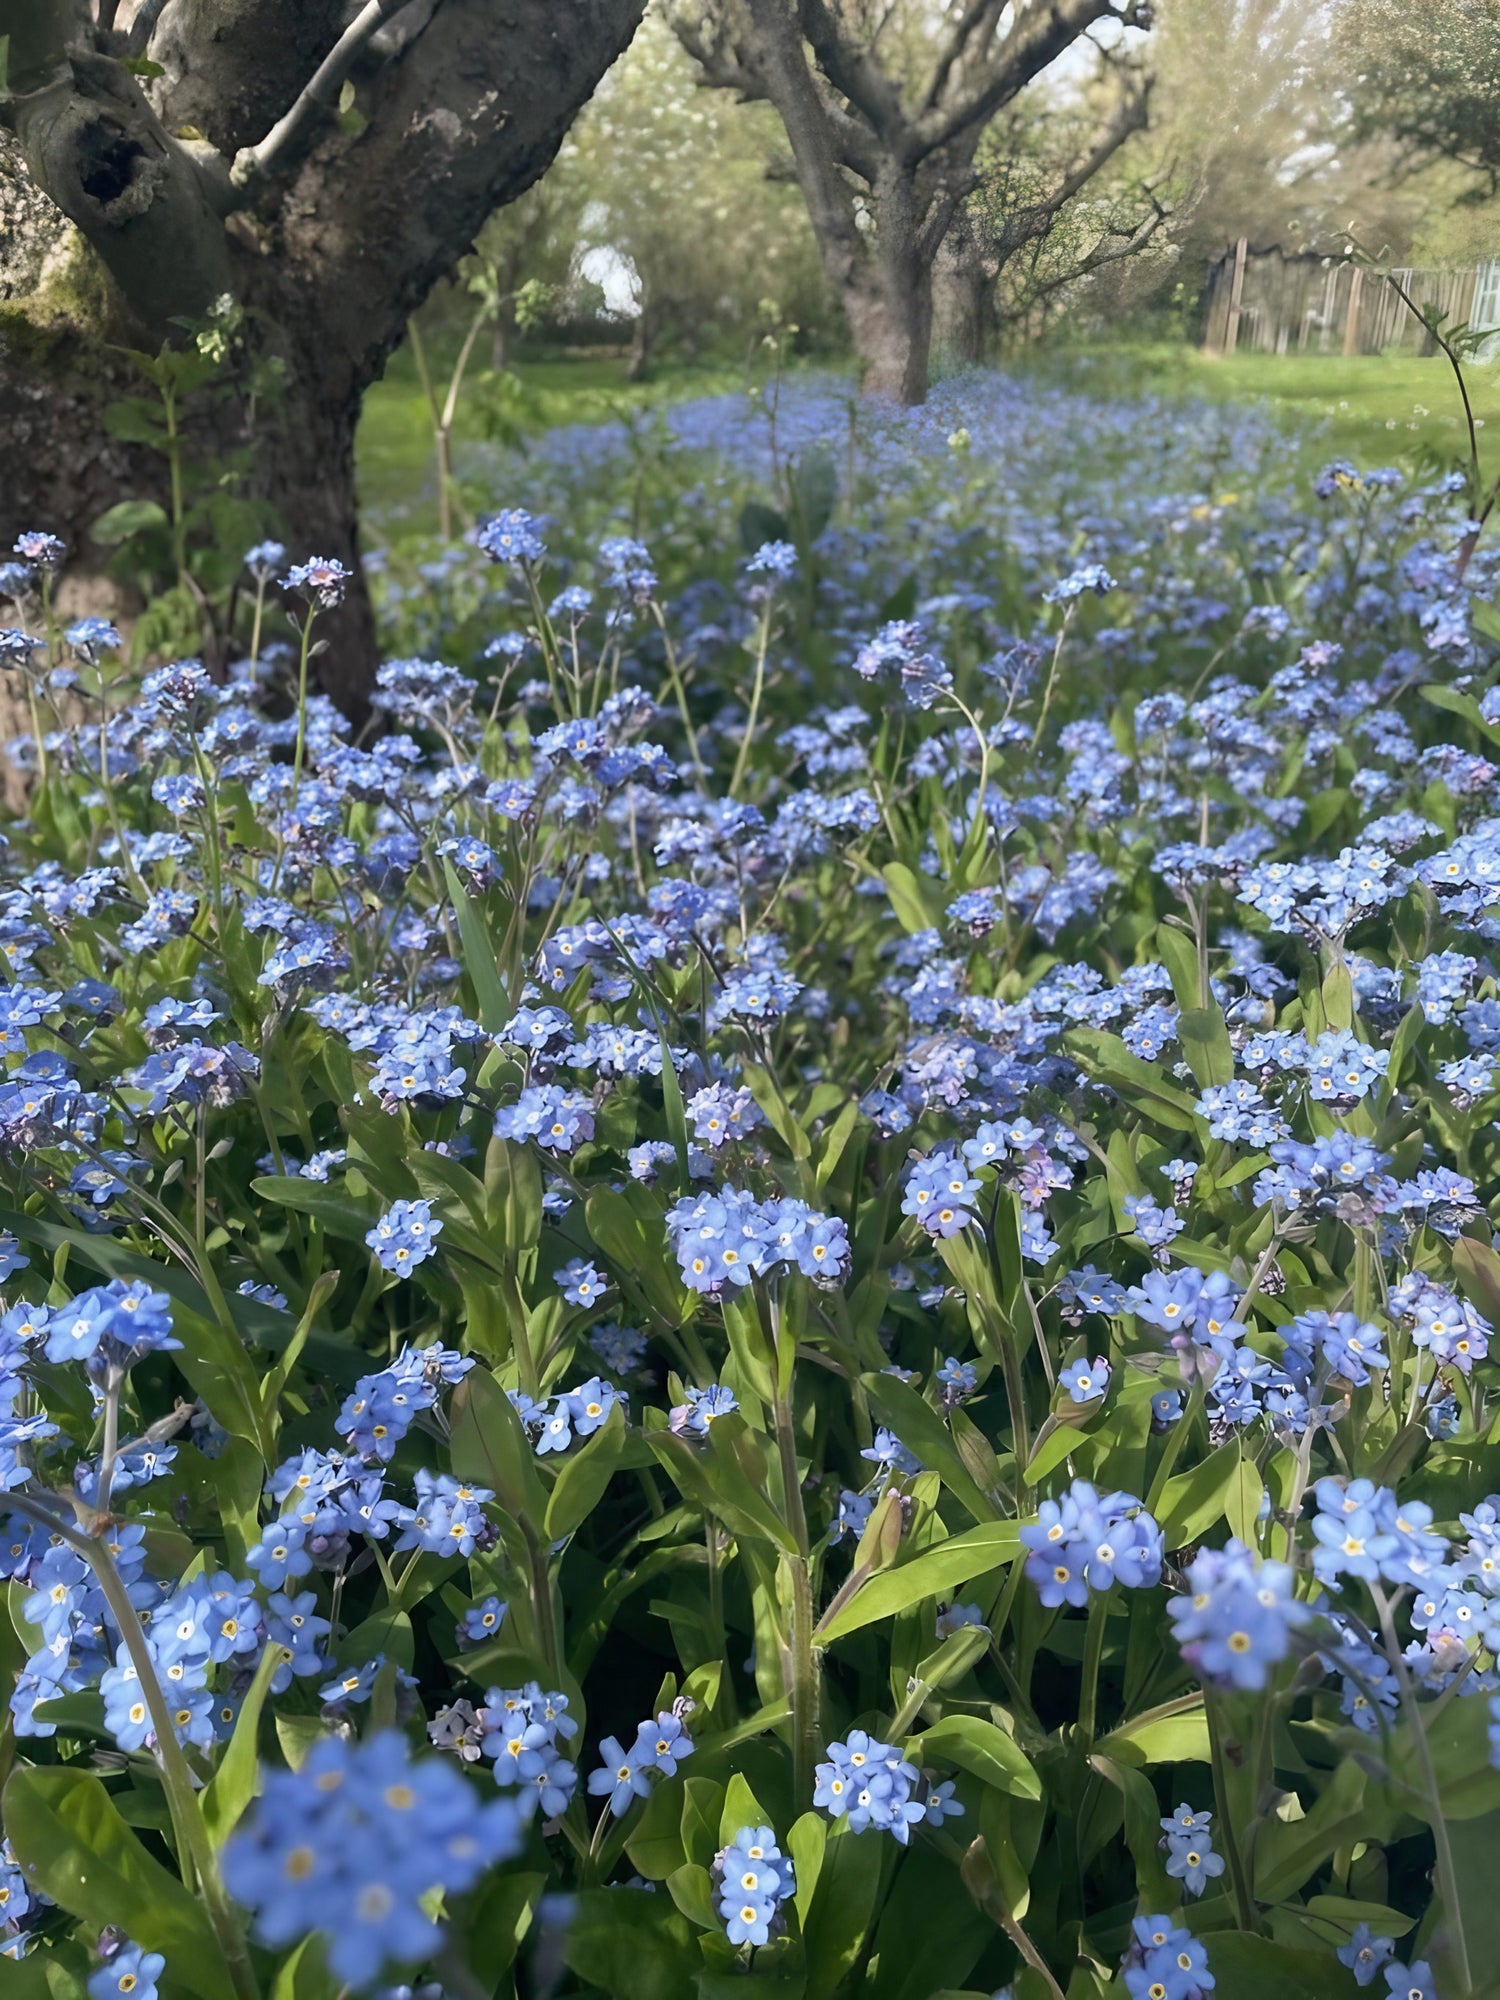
(479, 956)
(338, 1215)
(126, 518)
(1142, 1828)
(1464, 704)
(632, 1946)
(982, 1748)
(715, 1481)
(1107, 1058)
(305, 1975)
(584, 1476)
(1477, 1269)
(741, 1808)
(1249, 1968)
(1192, 1501)
(815, 492)
(919, 1427)
(760, 523)
(842, 1907)
(490, 1447)
(236, 1781)
(1175, 1734)
(1206, 1044)
(934, 1573)
(691, 1888)
(71, 1841)
(916, 899)
(1288, 1852)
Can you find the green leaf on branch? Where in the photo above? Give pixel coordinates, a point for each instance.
(126, 518)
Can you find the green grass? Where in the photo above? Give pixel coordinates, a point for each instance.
(1373, 409)
(395, 447)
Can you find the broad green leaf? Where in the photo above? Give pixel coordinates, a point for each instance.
(126, 518)
(1289, 1852)
(982, 1748)
(1206, 1044)
(926, 1932)
(934, 1573)
(741, 1808)
(1246, 1967)
(1192, 1501)
(584, 1476)
(1477, 1269)
(632, 1946)
(338, 1215)
(70, 1840)
(916, 899)
(920, 1428)
(480, 962)
(1143, 1088)
(491, 1448)
(305, 1975)
(691, 1888)
(235, 1783)
(841, 1910)
(721, 1487)
(1177, 1734)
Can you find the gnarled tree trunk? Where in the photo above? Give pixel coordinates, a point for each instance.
(329, 229)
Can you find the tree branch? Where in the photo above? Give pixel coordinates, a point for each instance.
(852, 71)
(233, 66)
(96, 148)
(278, 151)
(779, 57)
(989, 79)
(979, 18)
(464, 118)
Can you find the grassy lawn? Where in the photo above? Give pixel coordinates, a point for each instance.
(1372, 409)
(395, 445)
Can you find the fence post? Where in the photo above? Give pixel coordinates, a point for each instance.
(1236, 291)
(1351, 317)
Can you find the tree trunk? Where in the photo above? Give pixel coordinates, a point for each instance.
(888, 302)
(329, 232)
(884, 283)
(59, 374)
(642, 341)
(963, 300)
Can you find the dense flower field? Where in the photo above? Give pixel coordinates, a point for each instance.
(788, 1291)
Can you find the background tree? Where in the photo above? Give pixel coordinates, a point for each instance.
(688, 197)
(885, 106)
(1050, 207)
(321, 165)
(1428, 76)
(1254, 106)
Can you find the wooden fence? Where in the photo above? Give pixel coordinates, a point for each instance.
(1277, 303)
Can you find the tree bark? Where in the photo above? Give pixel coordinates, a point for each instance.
(883, 176)
(963, 299)
(890, 322)
(330, 242)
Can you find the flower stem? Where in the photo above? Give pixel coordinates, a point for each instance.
(803, 1691)
(1244, 1902)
